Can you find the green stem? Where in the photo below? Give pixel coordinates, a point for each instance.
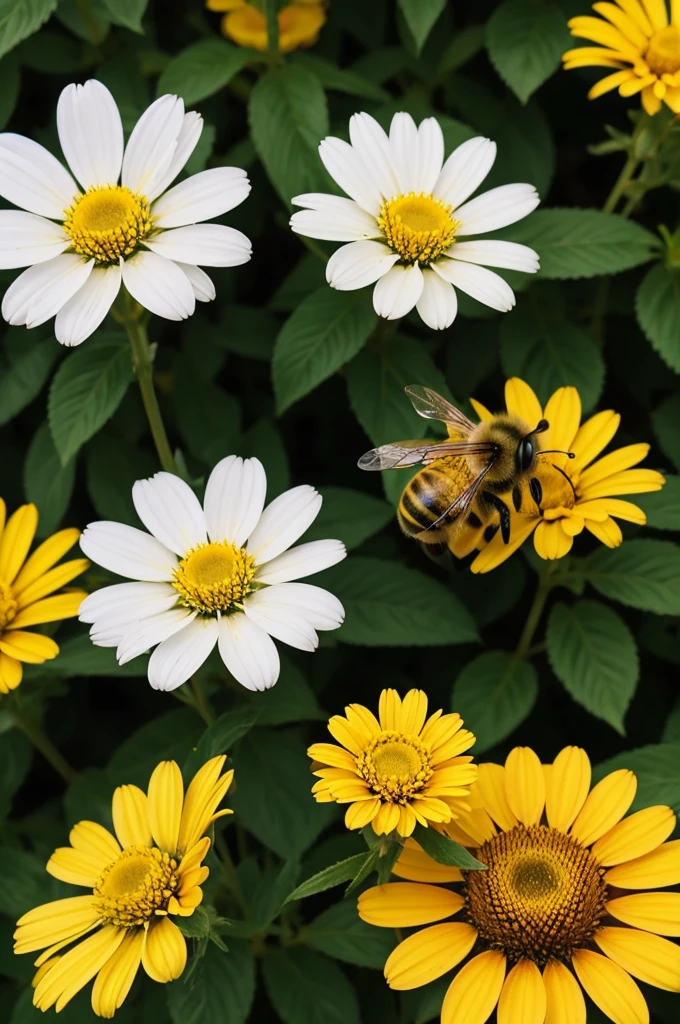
(141, 362)
(200, 702)
(34, 732)
(231, 877)
(545, 585)
(272, 14)
(622, 182)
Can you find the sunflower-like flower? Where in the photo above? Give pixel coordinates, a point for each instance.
(27, 591)
(568, 900)
(638, 38)
(398, 771)
(245, 23)
(149, 872)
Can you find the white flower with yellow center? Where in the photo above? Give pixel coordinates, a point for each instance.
(80, 241)
(220, 574)
(408, 221)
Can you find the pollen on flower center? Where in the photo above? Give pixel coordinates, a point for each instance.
(107, 222)
(395, 766)
(542, 896)
(213, 577)
(417, 226)
(663, 53)
(8, 606)
(135, 886)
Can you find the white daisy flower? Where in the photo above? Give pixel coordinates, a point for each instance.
(220, 574)
(80, 240)
(407, 214)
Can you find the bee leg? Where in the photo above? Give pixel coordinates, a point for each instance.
(536, 492)
(517, 497)
(438, 553)
(490, 532)
(503, 513)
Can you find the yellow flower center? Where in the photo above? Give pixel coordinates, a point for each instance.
(108, 222)
(542, 896)
(395, 766)
(663, 52)
(135, 886)
(214, 577)
(558, 493)
(417, 226)
(8, 606)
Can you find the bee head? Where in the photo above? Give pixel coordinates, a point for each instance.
(527, 447)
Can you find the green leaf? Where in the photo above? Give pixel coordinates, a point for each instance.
(263, 441)
(87, 389)
(113, 464)
(388, 605)
(576, 243)
(420, 16)
(203, 69)
(88, 798)
(340, 933)
(16, 755)
(644, 574)
(445, 850)
(288, 118)
(128, 13)
(23, 376)
(341, 79)
(329, 877)
(465, 45)
(657, 768)
(21, 18)
(10, 84)
(265, 903)
(657, 305)
(662, 507)
(47, 482)
(525, 41)
(666, 424)
(220, 737)
(593, 653)
(350, 516)
(248, 331)
(221, 988)
(169, 737)
(494, 694)
(326, 331)
(197, 926)
(291, 700)
(79, 657)
(306, 988)
(26, 884)
(671, 731)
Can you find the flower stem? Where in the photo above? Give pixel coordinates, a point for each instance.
(622, 182)
(141, 362)
(272, 14)
(200, 702)
(545, 585)
(42, 743)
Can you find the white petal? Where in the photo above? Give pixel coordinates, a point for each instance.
(497, 208)
(494, 253)
(430, 153)
(90, 133)
(397, 292)
(373, 146)
(358, 264)
(405, 148)
(41, 291)
(170, 511)
(304, 560)
(207, 245)
(26, 239)
(283, 521)
(149, 632)
(82, 314)
(479, 283)
(438, 303)
(30, 177)
(332, 217)
(282, 622)
(201, 197)
(127, 602)
(152, 145)
(159, 285)
(175, 660)
(128, 552)
(321, 609)
(234, 499)
(204, 289)
(248, 652)
(187, 140)
(345, 166)
(465, 170)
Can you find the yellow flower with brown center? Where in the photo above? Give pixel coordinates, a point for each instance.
(245, 22)
(569, 899)
(638, 38)
(398, 770)
(27, 591)
(149, 872)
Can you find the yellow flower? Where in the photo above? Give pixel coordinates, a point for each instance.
(152, 870)
(636, 37)
(576, 494)
(246, 24)
(25, 586)
(396, 772)
(559, 904)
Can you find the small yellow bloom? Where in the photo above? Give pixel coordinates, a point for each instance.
(564, 905)
(638, 38)
(152, 871)
(246, 24)
(398, 771)
(25, 588)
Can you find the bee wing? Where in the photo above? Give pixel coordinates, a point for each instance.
(431, 406)
(414, 453)
(464, 500)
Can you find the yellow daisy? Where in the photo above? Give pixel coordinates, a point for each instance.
(639, 39)
(564, 904)
(576, 493)
(397, 771)
(27, 588)
(246, 23)
(152, 870)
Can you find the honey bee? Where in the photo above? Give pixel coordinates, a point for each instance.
(465, 479)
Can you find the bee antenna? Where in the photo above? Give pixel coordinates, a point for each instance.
(557, 451)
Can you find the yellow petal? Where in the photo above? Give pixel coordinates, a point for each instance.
(92, 839)
(563, 413)
(474, 992)
(490, 786)
(608, 532)
(656, 12)
(165, 795)
(521, 400)
(3, 513)
(33, 648)
(418, 866)
(606, 804)
(59, 921)
(425, 956)
(44, 557)
(330, 754)
(600, 508)
(164, 955)
(206, 791)
(614, 462)
(496, 552)
(481, 410)
(635, 836)
(650, 102)
(389, 710)
(359, 814)
(564, 1000)
(407, 904)
(341, 731)
(598, 31)
(567, 786)
(610, 988)
(75, 867)
(657, 912)
(593, 56)
(386, 820)
(362, 722)
(624, 23)
(630, 481)
(11, 673)
(413, 712)
(51, 609)
(525, 785)
(74, 969)
(115, 979)
(653, 871)
(551, 541)
(16, 539)
(523, 996)
(608, 83)
(131, 816)
(594, 435)
(51, 581)
(636, 13)
(647, 957)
